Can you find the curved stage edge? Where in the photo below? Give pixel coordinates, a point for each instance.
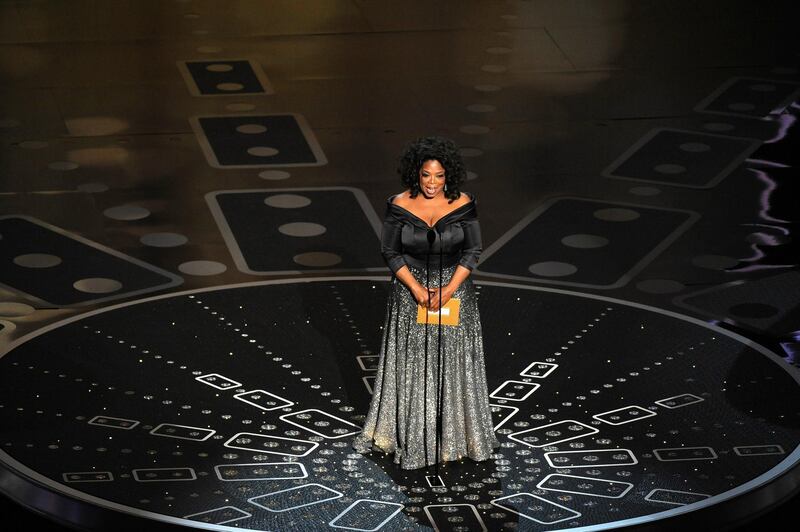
(550, 309)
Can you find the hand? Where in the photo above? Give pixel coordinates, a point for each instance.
(446, 292)
(421, 295)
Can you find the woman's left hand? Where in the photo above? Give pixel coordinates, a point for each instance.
(446, 293)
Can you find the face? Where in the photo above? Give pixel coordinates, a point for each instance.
(431, 179)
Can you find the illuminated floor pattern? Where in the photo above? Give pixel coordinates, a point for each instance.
(236, 406)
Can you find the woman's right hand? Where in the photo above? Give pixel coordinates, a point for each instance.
(420, 293)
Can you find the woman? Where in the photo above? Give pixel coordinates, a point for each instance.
(431, 242)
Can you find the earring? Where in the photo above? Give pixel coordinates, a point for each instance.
(445, 187)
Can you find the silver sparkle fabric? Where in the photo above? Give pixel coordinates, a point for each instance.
(402, 416)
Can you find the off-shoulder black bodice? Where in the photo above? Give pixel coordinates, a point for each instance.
(404, 240)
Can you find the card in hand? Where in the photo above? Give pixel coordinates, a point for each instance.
(449, 313)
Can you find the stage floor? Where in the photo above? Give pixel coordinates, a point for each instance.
(235, 407)
(192, 289)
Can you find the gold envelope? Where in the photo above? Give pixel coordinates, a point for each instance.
(449, 313)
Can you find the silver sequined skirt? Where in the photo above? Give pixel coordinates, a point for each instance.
(402, 417)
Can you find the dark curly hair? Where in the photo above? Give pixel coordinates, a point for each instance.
(432, 148)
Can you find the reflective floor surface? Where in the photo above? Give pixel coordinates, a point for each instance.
(192, 293)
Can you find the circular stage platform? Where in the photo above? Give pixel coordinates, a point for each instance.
(235, 407)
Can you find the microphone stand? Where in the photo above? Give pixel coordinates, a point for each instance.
(440, 377)
(431, 237)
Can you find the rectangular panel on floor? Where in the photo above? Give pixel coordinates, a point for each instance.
(679, 401)
(627, 414)
(260, 471)
(501, 414)
(88, 476)
(219, 516)
(366, 515)
(368, 362)
(679, 454)
(514, 390)
(590, 458)
(467, 516)
(539, 370)
(535, 508)
(293, 498)
(293, 230)
(676, 497)
(589, 486)
(224, 77)
(263, 400)
(369, 383)
(164, 474)
(61, 269)
(113, 422)
(751, 97)
(182, 432)
(762, 303)
(257, 141)
(584, 242)
(758, 450)
(553, 433)
(264, 443)
(680, 158)
(321, 423)
(220, 382)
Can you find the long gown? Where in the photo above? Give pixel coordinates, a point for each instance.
(402, 416)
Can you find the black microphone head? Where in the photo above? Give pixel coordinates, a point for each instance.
(431, 236)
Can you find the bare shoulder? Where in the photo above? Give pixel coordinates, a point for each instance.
(402, 199)
(463, 199)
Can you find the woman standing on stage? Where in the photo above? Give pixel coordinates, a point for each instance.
(430, 390)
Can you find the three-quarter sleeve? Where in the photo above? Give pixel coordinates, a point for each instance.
(391, 242)
(473, 245)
